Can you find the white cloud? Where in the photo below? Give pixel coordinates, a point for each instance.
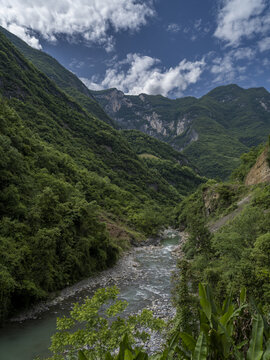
(90, 19)
(91, 85)
(266, 62)
(225, 69)
(197, 30)
(23, 33)
(77, 64)
(142, 74)
(242, 18)
(198, 24)
(264, 44)
(244, 53)
(173, 28)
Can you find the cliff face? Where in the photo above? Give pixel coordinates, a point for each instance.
(154, 115)
(212, 131)
(260, 172)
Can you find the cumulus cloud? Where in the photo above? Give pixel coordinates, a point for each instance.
(90, 19)
(143, 74)
(242, 18)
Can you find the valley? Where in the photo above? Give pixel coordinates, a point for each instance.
(97, 188)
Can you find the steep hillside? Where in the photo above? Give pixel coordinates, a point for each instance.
(65, 79)
(229, 232)
(212, 131)
(165, 161)
(68, 181)
(260, 172)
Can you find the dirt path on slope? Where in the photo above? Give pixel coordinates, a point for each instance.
(213, 227)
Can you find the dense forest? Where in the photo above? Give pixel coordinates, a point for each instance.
(217, 322)
(229, 227)
(70, 184)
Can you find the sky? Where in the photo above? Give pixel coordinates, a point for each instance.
(170, 47)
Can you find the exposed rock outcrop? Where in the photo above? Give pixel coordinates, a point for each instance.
(260, 172)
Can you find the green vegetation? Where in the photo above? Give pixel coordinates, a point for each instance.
(247, 161)
(70, 184)
(212, 132)
(224, 331)
(214, 156)
(50, 233)
(237, 254)
(217, 324)
(97, 325)
(144, 144)
(63, 78)
(166, 162)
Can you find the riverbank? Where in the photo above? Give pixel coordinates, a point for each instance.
(143, 276)
(122, 272)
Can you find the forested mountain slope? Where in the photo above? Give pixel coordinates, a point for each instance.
(165, 161)
(66, 178)
(229, 231)
(212, 131)
(65, 79)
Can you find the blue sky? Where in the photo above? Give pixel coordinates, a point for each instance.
(170, 47)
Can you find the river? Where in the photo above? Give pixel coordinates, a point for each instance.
(143, 277)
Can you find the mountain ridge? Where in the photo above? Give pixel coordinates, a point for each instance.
(63, 78)
(238, 118)
(211, 131)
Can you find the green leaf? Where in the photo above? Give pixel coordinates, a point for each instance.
(108, 356)
(226, 304)
(266, 355)
(128, 355)
(205, 304)
(243, 296)
(227, 316)
(255, 350)
(239, 346)
(200, 351)
(81, 356)
(188, 340)
(214, 306)
(141, 356)
(173, 341)
(124, 346)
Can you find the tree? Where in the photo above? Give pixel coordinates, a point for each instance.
(97, 327)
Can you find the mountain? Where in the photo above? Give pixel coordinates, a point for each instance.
(164, 161)
(63, 78)
(212, 131)
(229, 230)
(73, 192)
